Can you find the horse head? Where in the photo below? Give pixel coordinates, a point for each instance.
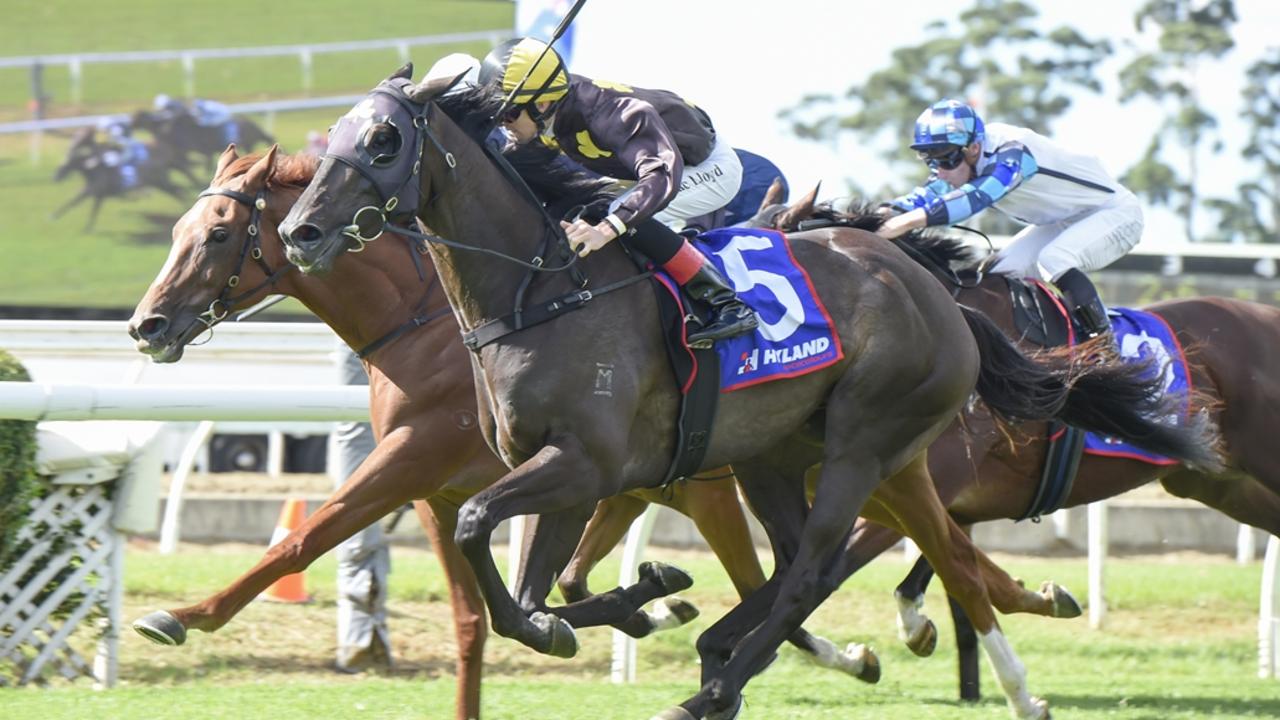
(371, 173)
(83, 148)
(216, 254)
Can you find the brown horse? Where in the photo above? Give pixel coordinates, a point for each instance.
(980, 475)
(186, 137)
(103, 181)
(911, 359)
(430, 449)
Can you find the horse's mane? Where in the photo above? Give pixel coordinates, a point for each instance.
(291, 171)
(936, 245)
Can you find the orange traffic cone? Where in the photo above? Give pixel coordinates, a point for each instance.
(290, 588)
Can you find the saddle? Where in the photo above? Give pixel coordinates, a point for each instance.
(1041, 319)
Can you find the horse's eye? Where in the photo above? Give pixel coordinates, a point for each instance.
(219, 234)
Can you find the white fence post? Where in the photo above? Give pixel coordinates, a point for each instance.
(623, 667)
(1097, 559)
(1246, 545)
(1268, 625)
(169, 528)
(189, 75)
(304, 57)
(76, 68)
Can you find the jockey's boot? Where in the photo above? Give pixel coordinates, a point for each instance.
(731, 316)
(1083, 302)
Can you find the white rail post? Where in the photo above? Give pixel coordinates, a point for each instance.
(1246, 545)
(1097, 559)
(623, 667)
(76, 68)
(403, 49)
(169, 527)
(275, 454)
(1268, 625)
(515, 550)
(106, 661)
(189, 75)
(304, 57)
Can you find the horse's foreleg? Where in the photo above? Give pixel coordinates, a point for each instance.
(558, 478)
(93, 213)
(909, 495)
(75, 200)
(440, 520)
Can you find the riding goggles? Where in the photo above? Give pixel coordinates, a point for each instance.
(948, 158)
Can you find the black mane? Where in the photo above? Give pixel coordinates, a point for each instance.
(934, 244)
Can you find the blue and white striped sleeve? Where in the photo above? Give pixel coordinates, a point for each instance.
(1012, 166)
(931, 192)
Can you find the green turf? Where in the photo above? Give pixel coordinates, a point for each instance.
(56, 262)
(1179, 644)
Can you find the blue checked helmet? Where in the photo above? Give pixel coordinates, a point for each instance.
(947, 123)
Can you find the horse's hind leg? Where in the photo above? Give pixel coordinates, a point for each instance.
(1243, 499)
(909, 496)
(439, 519)
(370, 493)
(605, 529)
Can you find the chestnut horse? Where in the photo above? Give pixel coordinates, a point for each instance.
(430, 450)
(911, 359)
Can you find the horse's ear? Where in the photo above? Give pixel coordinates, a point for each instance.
(775, 195)
(791, 217)
(405, 72)
(256, 178)
(228, 156)
(430, 89)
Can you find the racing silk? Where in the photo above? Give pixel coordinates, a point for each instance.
(632, 133)
(1022, 174)
(210, 113)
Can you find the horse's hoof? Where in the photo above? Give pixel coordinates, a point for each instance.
(669, 577)
(730, 714)
(675, 713)
(1040, 709)
(672, 612)
(870, 672)
(161, 628)
(925, 641)
(1064, 603)
(564, 641)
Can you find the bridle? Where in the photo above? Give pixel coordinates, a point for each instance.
(222, 305)
(397, 177)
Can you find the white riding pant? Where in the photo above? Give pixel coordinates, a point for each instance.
(704, 188)
(1090, 242)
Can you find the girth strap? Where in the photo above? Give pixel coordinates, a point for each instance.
(537, 314)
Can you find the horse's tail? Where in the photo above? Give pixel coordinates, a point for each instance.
(1112, 397)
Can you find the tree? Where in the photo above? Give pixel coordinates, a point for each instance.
(994, 57)
(1187, 36)
(1254, 215)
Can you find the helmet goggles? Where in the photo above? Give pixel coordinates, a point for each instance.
(948, 157)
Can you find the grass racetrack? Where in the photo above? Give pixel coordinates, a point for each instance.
(1179, 644)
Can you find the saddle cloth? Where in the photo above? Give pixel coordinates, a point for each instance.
(1041, 318)
(796, 335)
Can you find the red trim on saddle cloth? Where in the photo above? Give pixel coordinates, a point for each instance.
(684, 264)
(684, 335)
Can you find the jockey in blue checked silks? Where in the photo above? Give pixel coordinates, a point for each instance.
(1079, 218)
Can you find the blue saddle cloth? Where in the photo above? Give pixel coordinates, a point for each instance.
(796, 335)
(1142, 335)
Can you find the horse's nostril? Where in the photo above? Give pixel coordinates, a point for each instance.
(303, 234)
(150, 328)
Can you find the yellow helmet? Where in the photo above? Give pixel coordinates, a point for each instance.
(507, 64)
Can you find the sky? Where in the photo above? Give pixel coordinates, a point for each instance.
(745, 61)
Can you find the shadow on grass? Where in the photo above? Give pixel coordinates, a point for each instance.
(1196, 705)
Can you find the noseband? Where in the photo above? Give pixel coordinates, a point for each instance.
(221, 306)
